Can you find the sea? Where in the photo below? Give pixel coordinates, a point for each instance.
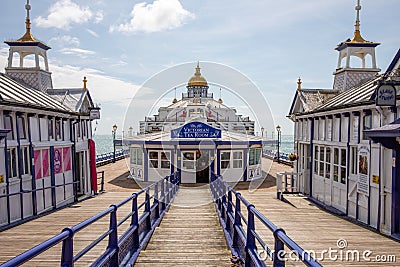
(104, 144)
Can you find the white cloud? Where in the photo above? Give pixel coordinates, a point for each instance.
(158, 16)
(65, 40)
(65, 13)
(99, 16)
(82, 53)
(93, 33)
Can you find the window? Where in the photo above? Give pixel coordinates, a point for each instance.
(353, 160)
(254, 156)
(321, 161)
(328, 163)
(12, 162)
(225, 160)
(21, 127)
(238, 159)
(316, 154)
(153, 159)
(25, 160)
(343, 162)
(339, 165)
(58, 130)
(51, 128)
(336, 164)
(78, 129)
(165, 163)
(133, 155)
(188, 160)
(367, 124)
(8, 124)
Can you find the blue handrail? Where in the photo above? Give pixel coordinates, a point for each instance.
(243, 241)
(125, 249)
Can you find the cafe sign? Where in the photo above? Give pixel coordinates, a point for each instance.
(196, 130)
(386, 95)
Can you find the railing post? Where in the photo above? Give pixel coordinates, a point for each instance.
(156, 202)
(67, 256)
(135, 223)
(238, 222)
(228, 212)
(223, 211)
(102, 181)
(278, 259)
(251, 241)
(167, 194)
(113, 237)
(147, 210)
(162, 195)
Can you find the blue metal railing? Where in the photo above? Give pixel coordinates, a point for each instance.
(122, 251)
(106, 158)
(241, 234)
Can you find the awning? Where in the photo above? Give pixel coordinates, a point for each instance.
(386, 135)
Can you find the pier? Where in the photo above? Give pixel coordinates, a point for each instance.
(190, 235)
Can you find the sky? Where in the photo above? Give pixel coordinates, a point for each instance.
(120, 45)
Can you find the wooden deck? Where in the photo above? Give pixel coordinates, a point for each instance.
(189, 234)
(310, 227)
(23, 237)
(315, 229)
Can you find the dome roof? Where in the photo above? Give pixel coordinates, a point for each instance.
(197, 79)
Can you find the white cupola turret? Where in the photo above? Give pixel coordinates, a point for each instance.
(20, 64)
(347, 73)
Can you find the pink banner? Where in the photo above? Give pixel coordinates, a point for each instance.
(38, 164)
(67, 158)
(45, 162)
(58, 160)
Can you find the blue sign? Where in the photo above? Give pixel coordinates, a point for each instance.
(196, 130)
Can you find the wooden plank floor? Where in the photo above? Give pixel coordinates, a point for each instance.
(189, 234)
(315, 229)
(23, 237)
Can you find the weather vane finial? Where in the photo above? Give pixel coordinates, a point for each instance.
(357, 35)
(27, 36)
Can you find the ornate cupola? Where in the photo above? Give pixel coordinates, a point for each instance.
(197, 85)
(37, 74)
(347, 73)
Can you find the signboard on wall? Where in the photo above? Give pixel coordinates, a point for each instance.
(94, 113)
(363, 169)
(196, 130)
(386, 95)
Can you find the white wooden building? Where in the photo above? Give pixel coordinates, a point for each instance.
(339, 165)
(45, 135)
(196, 136)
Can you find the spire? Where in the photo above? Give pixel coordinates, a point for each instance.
(175, 100)
(27, 36)
(357, 38)
(84, 83)
(299, 84)
(220, 99)
(198, 69)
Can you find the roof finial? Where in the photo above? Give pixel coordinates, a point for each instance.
(357, 38)
(198, 69)
(220, 99)
(299, 84)
(27, 36)
(84, 83)
(175, 100)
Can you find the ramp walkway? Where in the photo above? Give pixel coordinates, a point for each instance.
(189, 234)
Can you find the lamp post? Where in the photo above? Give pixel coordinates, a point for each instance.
(262, 141)
(278, 129)
(262, 132)
(114, 131)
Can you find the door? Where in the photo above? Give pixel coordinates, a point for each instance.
(202, 166)
(195, 166)
(81, 173)
(188, 168)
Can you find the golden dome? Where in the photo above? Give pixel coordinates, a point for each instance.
(197, 79)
